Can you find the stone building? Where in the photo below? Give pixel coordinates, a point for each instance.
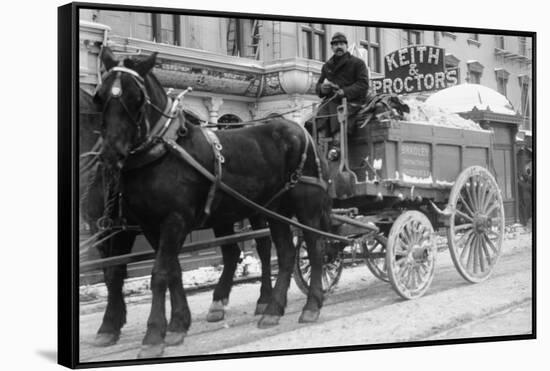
(242, 69)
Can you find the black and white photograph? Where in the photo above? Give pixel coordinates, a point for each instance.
(248, 185)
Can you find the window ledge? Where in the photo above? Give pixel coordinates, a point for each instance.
(449, 34)
(474, 42)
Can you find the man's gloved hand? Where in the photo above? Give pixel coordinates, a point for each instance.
(326, 89)
(340, 92)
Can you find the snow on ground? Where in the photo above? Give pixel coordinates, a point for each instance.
(249, 266)
(515, 235)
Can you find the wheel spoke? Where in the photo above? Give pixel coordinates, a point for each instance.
(464, 226)
(492, 197)
(469, 188)
(481, 255)
(492, 208)
(465, 204)
(475, 253)
(483, 194)
(410, 279)
(491, 244)
(486, 251)
(467, 217)
(461, 238)
(474, 189)
(470, 261)
(467, 247)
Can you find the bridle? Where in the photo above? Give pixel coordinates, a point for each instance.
(141, 122)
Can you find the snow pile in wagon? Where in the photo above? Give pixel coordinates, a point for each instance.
(423, 113)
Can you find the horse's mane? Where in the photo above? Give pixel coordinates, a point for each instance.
(152, 80)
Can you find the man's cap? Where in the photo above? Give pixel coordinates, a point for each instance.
(338, 37)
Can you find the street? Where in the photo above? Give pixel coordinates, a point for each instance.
(362, 310)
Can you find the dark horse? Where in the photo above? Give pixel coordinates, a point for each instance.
(168, 195)
(92, 193)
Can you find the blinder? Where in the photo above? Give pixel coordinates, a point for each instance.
(141, 122)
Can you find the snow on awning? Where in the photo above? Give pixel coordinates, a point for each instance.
(466, 97)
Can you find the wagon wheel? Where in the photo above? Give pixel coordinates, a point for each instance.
(375, 256)
(476, 227)
(411, 252)
(332, 266)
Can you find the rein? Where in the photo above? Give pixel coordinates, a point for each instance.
(177, 149)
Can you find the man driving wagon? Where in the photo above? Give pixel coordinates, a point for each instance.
(342, 76)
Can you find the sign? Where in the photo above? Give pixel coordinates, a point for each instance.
(413, 69)
(415, 159)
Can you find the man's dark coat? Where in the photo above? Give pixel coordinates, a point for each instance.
(350, 74)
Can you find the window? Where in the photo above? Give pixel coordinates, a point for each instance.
(500, 42)
(166, 28)
(474, 77)
(313, 43)
(502, 80)
(452, 63)
(162, 28)
(525, 82)
(233, 36)
(371, 42)
(525, 108)
(475, 70)
(413, 37)
(436, 38)
(522, 46)
(473, 39)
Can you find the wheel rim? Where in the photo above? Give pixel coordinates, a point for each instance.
(377, 265)
(411, 254)
(476, 227)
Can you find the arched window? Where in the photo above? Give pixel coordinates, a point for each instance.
(229, 118)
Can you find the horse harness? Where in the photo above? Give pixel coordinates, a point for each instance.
(155, 143)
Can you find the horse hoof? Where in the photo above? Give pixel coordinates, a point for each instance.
(105, 339)
(215, 316)
(268, 321)
(260, 309)
(309, 316)
(216, 312)
(151, 351)
(174, 338)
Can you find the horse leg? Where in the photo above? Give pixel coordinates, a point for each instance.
(281, 235)
(180, 316)
(165, 275)
(316, 215)
(230, 255)
(115, 312)
(263, 247)
(312, 309)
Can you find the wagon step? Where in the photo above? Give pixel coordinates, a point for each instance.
(370, 226)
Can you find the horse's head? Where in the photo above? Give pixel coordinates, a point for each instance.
(123, 97)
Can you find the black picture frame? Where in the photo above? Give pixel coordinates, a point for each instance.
(68, 208)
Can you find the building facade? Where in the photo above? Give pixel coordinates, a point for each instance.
(243, 69)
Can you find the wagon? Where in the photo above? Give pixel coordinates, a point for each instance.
(395, 185)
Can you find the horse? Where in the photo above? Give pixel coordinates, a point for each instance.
(273, 164)
(92, 206)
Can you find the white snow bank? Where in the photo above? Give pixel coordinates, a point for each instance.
(423, 113)
(464, 97)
